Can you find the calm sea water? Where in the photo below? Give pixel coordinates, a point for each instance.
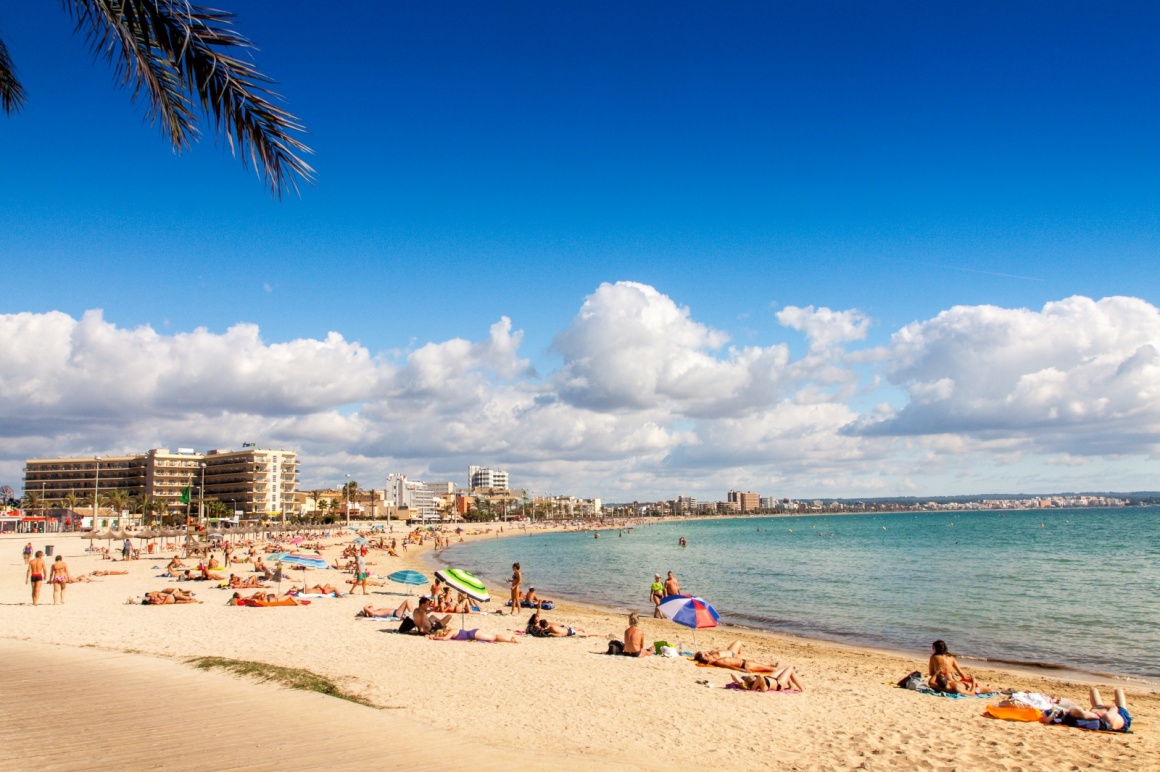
(1078, 588)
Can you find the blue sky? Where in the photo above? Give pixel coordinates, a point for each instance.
(485, 161)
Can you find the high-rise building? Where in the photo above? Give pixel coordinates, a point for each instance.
(482, 477)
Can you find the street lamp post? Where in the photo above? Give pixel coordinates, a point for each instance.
(348, 500)
(96, 489)
(201, 498)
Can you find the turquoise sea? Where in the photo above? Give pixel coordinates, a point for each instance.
(1073, 588)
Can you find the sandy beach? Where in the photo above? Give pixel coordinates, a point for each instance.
(562, 695)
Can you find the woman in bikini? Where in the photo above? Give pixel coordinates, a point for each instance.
(448, 634)
(59, 577)
(945, 675)
(516, 580)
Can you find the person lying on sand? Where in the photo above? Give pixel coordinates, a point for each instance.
(633, 644)
(206, 576)
(447, 634)
(562, 631)
(237, 583)
(783, 679)
(168, 596)
(1100, 718)
(406, 607)
(271, 597)
(322, 589)
(109, 573)
(946, 676)
(725, 660)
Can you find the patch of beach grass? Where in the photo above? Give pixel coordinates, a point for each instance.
(292, 677)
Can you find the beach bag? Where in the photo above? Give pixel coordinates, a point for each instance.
(615, 648)
(660, 645)
(407, 625)
(914, 681)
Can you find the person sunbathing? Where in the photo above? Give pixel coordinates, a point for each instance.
(727, 660)
(78, 579)
(562, 631)
(270, 598)
(783, 679)
(250, 582)
(406, 607)
(633, 643)
(206, 576)
(109, 573)
(1100, 718)
(945, 675)
(447, 634)
(322, 589)
(168, 596)
(732, 650)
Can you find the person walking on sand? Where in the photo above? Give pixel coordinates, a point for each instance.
(27, 552)
(655, 594)
(35, 575)
(360, 574)
(126, 549)
(672, 586)
(517, 578)
(59, 577)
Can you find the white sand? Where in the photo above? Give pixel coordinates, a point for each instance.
(562, 693)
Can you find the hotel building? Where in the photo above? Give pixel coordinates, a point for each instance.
(257, 482)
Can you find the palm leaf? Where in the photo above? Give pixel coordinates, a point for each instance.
(179, 55)
(11, 92)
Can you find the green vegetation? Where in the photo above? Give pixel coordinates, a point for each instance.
(293, 677)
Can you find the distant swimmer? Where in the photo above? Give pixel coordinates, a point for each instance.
(682, 542)
(595, 535)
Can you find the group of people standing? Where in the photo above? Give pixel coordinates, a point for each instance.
(36, 572)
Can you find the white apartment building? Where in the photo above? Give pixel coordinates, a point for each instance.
(411, 495)
(482, 477)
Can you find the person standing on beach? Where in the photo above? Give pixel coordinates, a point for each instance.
(672, 586)
(655, 594)
(59, 578)
(360, 574)
(35, 575)
(27, 553)
(515, 581)
(126, 549)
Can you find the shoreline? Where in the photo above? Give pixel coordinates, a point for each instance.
(587, 710)
(1051, 671)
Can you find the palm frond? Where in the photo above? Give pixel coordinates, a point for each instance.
(180, 54)
(11, 92)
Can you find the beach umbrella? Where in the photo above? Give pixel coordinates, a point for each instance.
(304, 562)
(407, 576)
(690, 612)
(464, 582)
(360, 540)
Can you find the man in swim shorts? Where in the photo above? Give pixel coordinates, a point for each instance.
(35, 575)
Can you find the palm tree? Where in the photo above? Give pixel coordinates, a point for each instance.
(70, 501)
(117, 499)
(315, 496)
(184, 57)
(31, 501)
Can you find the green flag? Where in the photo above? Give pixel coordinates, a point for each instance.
(186, 494)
